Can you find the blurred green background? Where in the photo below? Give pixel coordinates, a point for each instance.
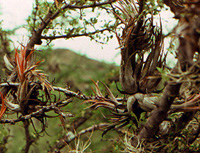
(68, 69)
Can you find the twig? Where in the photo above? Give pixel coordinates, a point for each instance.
(72, 93)
(74, 35)
(60, 89)
(9, 84)
(88, 6)
(44, 109)
(29, 140)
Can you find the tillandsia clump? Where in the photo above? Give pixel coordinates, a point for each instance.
(141, 46)
(24, 94)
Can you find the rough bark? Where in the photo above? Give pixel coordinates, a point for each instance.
(159, 114)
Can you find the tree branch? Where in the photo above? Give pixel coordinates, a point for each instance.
(44, 109)
(74, 35)
(88, 6)
(29, 140)
(59, 89)
(159, 114)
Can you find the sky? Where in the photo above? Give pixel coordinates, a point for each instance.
(15, 12)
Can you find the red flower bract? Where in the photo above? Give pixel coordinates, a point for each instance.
(3, 107)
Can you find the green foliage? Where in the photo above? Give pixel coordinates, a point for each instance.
(74, 22)
(153, 7)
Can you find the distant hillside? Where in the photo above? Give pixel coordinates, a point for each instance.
(74, 70)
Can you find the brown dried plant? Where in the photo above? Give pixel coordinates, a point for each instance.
(141, 46)
(29, 79)
(24, 96)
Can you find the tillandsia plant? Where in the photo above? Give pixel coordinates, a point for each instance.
(30, 81)
(141, 46)
(24, 95)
